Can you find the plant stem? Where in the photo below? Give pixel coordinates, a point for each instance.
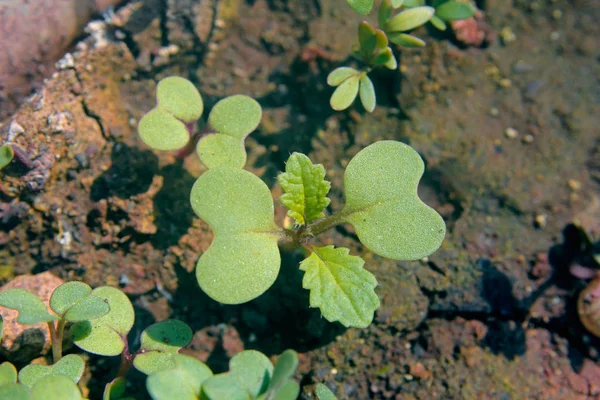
(56, 338)
(126, 360)
(307, 232)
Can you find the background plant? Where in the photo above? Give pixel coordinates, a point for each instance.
(243, 260)
(373, 48)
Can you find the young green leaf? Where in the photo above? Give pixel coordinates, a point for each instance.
(284, 369)
(410, 19)
(367, 93)
(288, 391)
(323, 393)
(235, 116)
(6, 155)
(183, 382)
(438, 23)
(251, 370)
(31, 309)
(366, 37)
(381, 39)
(161, 131)
(14, 391)
(340, 286)
(243, 259)
(53, 387)
(115, 389)
(305, 189)
(223, 386)
(385, 12)
(218, 150)
(8, 373)
(362, 7)
(339, 75)
(406, 40)
(180, 98)
(392, 63)
(383, 57)
(159, 342)
(71, 366)
(72, 301)
(345, 94)
(106, 335)
(383, 205)
(454, 10)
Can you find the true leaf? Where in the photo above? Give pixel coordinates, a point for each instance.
(366, 37)
(383, 205)
(339, 75)
(410, 19)
(438, 23)
(106, 335)
(243, 259)
(385, 12)
(31, 309)
(383, 57)
(406, 40)
(183, 382)
(6, 155)
(218, 150)
(344, 94)
(284, 369)
(180, 98)
(53, 387)
(161, 131)
(367, 93)
(71, 366)
(392, 63)
(159, 342)
(380, 39)
(454, 10)
(340, 286)
(235, 116)
(323, 393)
(362, 7)
(72, 301)
(8, 373)
(305, 189)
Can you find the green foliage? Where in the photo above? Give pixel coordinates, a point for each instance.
(71, 366)
(180, 98)
(31, 309)
(54, 387)
(72, 301)
(340, 286)
(49, 385)
(362, 7)
(323, 392)
(105, 335)
(243, 260)
(8, 373)
(115, 390)
(383, 205)
(159, 343)
(305, 189)
(6, 155)
(409, 19)
(183, 381)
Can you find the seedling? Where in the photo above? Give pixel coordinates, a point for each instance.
(102, 319)
(243, 260)
(373, 48)
(6, 155)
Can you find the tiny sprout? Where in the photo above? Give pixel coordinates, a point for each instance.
(6, 155)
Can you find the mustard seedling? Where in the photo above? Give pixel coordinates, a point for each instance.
(374, 50)
(243, 260)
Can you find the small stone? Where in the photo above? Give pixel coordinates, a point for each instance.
(494, 112)
(511, 133)
(527, 138)
(66, 62)
(14, 130)
(541, 220)
(574, 184)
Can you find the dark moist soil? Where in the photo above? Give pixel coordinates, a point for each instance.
(491, 315)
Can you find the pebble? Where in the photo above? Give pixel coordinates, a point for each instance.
(541, 220)
(575, 185)
(511, 133)
(527, 138)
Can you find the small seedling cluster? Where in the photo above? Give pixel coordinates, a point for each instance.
(243, 260)
(99, 322)
(373, 48)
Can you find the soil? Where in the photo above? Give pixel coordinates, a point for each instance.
(509, 133)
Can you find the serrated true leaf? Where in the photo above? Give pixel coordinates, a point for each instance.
(6, 155)
(182, 382)
(161, 131)
(344, 94)
(106, 335)
(410, 19)
(454, 10)
(340, 286)
(180, 98)
(71, 366)
(72, 301)
(159, 342)
(406, 40)
(339, 75)
(284, 369)
(383, 205)
(305, 189)
(323, 392)
(366, 37)
(218, 150)
(31, 309)
(243, 259)
(8, 373)
(53, 387)
(362, 7)
(367, 93)
(235, 116)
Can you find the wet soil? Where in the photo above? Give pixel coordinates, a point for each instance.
(491, 315)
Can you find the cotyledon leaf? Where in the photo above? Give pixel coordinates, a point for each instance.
(8, 373)
(162, 131)
(71, 366)
(180, 98)
(183, 382)
(53, 387)
(345, 93)
(383, 205)
(31, 309)
(324, 393)
(243, 260)
(159, 343)
(305, 189)
(340, 286)
(367, 93)
(339, 75)
(409, 19)
(73, 302)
